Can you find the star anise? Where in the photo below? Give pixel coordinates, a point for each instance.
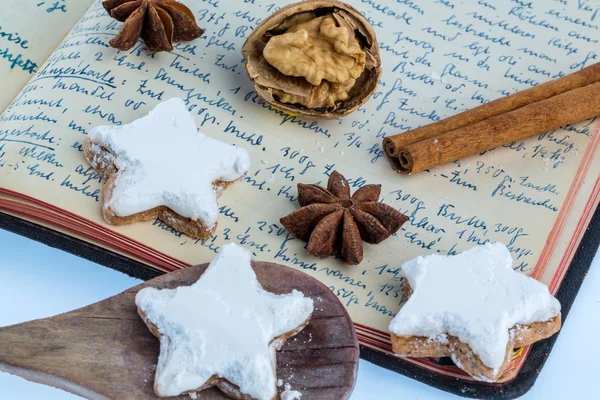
(330, 220)
(159, 22)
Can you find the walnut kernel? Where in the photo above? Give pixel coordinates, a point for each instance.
(318, 59)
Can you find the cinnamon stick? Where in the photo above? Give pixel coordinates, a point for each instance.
(500, 106)
(566, 108)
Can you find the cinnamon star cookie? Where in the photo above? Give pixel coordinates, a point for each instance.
(161, 166)
(474, 308)
(222, 331)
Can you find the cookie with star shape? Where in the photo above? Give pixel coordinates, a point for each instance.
(474, 308)
(221, 331)
(161, 166)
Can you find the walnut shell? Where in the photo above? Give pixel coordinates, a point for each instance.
(340, 91)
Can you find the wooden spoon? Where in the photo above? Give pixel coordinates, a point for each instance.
(105, 351)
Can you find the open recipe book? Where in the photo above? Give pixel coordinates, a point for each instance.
(537, 196)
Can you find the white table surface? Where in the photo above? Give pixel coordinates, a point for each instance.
(37, 281)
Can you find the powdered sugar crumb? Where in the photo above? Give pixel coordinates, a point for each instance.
(289, 394)
(193, 395)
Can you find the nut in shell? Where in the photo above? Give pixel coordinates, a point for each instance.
(315, 58)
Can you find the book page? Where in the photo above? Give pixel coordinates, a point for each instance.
(439, 58)
(29, 31)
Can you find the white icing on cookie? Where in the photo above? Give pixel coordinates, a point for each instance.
(222, 325)
(163, 160)
(475, 296)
